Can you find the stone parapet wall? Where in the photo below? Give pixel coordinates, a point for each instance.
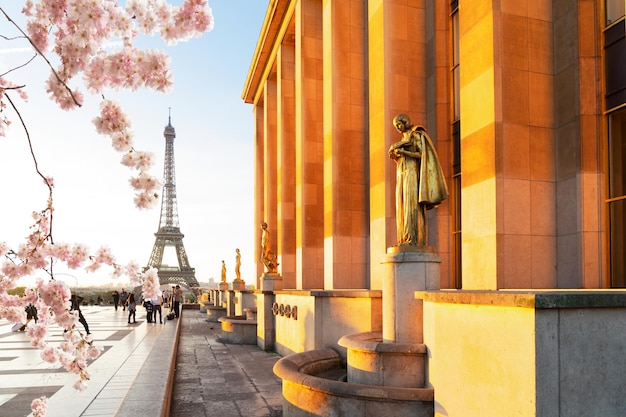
(541, 353)
(323, 317)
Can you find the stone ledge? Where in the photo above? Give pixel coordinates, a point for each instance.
(299, 369)
(151, 392)
(539, 299)
(238, 331)
(373, 341)
(236, 320)
(333, 293)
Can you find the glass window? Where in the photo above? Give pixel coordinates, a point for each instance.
(614, 10)
(617, 154)
(456, 144)
(617, 215)
(456, 74)
(617, 196)
(614, 63)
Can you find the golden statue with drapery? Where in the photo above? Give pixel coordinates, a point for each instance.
(420, 183)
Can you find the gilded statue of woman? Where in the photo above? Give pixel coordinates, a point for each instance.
(268, 258)
(238, 264)
(420, 183)
(223, 271)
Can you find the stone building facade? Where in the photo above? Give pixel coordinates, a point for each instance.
(526, 102)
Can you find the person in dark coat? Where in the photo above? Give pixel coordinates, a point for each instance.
(123, 299)
(116, 299)
(76, 301)
(132, 307)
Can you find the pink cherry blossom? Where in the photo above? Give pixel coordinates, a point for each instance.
(39, 406)
(146, 200)
(145, 182)
(151, 284)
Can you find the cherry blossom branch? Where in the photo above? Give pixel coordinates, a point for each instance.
(18, 67)
(47, 181)
(36, 48)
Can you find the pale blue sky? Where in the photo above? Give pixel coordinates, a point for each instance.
(213, 154)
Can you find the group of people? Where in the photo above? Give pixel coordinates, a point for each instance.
(31, 314)
(120, 299)
(123, 299)
(153, 305)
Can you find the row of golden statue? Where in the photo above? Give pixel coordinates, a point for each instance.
(420, 186)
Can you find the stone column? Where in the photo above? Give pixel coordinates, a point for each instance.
(396, 48)
(509, 200)
(259, 186)
(309, 146)
(270, 180)
(346, 177)
(266, 322)
(286, 168)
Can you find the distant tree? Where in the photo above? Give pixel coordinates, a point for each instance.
(19, 291)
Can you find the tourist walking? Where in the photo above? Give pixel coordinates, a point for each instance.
(123, 299)
(75, 306)
(31, 314)
(167, 303)
(132, 307)
(156, 307)
(116, 299)
(178, 296)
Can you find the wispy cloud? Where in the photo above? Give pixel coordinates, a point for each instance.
(7, 51)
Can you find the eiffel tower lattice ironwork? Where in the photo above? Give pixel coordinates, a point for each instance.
(169, 234)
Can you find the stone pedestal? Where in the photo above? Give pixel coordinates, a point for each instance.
(370, 361)
(407, 271)
(214, 313)
(238, 331)
(271, 281)
(243, 300)
(239, 285)
(231, 303)
(215, 297)
(265, 319)
(223, 292)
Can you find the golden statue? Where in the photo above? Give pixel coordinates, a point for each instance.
(238, 264)
(267, 256)
(223, 271)
(420, 183)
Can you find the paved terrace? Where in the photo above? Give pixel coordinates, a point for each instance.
(141, 370)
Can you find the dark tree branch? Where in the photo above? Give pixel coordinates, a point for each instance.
(32, 152)
(19, 66)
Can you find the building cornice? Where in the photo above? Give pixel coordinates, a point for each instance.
(266, 47)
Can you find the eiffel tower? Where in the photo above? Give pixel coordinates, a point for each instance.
(169, 229)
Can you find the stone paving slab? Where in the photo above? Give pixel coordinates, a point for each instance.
(210, 378)
(25, 376)
(215, 379)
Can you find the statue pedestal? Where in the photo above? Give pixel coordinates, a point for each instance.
(239, 285)
(271, 281)
(370, 361)
(407, 270)
(223, 296)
